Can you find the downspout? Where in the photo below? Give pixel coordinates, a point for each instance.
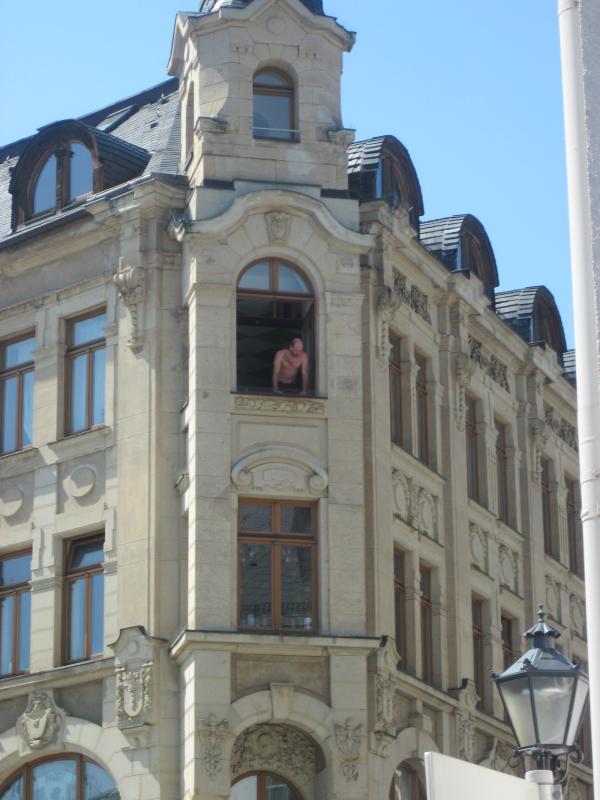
(586, 338)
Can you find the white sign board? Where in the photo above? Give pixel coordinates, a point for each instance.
(450, 779)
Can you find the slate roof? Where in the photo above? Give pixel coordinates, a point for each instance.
(569, 363)
(206, 6)
(442, 237)
(520, 309)
(141, 132)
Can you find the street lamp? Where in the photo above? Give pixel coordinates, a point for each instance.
(545, 697)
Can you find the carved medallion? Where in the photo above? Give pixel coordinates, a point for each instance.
(41, 725)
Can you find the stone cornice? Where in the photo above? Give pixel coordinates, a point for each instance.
(264, 201)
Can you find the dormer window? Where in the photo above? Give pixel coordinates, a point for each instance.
(274, 116)
(66, 175)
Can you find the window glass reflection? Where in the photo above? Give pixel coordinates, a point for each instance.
(98, 785)
(24, 631)
(7, 630)
(98, 372)
(44, 196)
(55, 780)
(88, 330)
(9, 414)
(86, 554)
(16, 570)
(17, 353)
(77, 607)
(255, 586)
(291, 281)
(27, 410)
(79, 393)
(296, 519)
(296, 588)
(81, 172)
(257, 277)
(272, 116)
(97, 615)
(14, 791)
(256, 517)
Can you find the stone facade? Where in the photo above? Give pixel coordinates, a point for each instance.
(182, 702)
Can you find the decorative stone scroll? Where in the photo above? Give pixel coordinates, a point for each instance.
(280, 405)
(348, 739)
(488, 362)
(563, 429)
(134, 695)
(275, 748)
(212, 744)
(415, 505)
(41, 725)
(131, 283)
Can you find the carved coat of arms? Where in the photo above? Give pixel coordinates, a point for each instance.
(41, 724)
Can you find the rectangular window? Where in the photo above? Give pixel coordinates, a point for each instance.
(426, 625)
(507, 632)
(574, 529)
(277, 566)
(472, 449)
(395, 370)
(502, 471)
(547, 515)
(86, 358)
(84, 599)
(422, 411)
(400, 605)
(16, 393)
(15, 613)
(478, 649)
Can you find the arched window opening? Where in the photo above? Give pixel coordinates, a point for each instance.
(274, 113)
(64, 777)
(473, 257)
(67, 175)
(275, 330)
(263, 786)
(390, 184)
(406, 784)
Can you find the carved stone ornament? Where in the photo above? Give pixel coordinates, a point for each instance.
(561, 428)
(553, 598)
(41, 725)
(479, 541)
(280, 469)
(280, 405)
(415, 505)
(348, 739)
(509, 568)
(130, 283)
(497, 757)
(411, 296)
(571, 791)
(577, 613)
(275, 748)
(388, 303)
(488, 362)
(278, 225)
(467, 703)
(12, 499)
(462, 372)
(387, 697)
(537, 428)
(134, 695)
(212, 744)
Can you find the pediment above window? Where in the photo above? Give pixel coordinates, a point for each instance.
(280, 470)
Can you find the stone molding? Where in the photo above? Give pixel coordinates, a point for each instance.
(280, 469)
(289, 406)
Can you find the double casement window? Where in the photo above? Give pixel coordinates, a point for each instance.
(400, 605)
(502, 471)
(277, 566)
(67, 776)
(15, 613)
(85, 371)
(274, 112)
(84, 599)
(426, 624)
(16, 393)
(472, 443)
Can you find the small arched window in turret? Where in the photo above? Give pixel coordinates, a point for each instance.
(274, 113)
(64, 176)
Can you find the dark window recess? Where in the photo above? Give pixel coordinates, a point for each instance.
(479, 675)
(426, 625)
(16, 393)
(472, 443)
(275, 306)
(263, 786)
(574, 530)
(508, 652)
(406, 784)
(400, 606)
(274, 113)
(502, 471)
(422, 411)
(395, 372)
(548, 521)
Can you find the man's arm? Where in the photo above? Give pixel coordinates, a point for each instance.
(276, 369)
(304, 374)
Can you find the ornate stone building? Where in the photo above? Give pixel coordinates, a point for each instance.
(282, 475)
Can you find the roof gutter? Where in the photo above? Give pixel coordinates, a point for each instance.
(586, 336)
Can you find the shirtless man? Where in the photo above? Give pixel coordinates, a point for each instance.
(286, 366)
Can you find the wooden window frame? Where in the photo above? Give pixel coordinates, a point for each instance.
(426, 613)
(472, 449)
(400, 605)
(273, 291)
(422, 402)
(70, 577)
(16, 590)
(27, 772)
(395, 389)
(576, 564)
(276, 91)
(548, 521)
(18, 372)
(62, 150)
(477, 629)
(276, 540)
(261, 789)
(502, 471)
(72, 352)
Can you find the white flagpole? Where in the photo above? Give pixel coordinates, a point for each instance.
(586, 281)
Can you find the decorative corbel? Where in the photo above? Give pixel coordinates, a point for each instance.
(388, 302)
(131, 284)
(210, 125)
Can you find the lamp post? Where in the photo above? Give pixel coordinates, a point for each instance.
(545, 697)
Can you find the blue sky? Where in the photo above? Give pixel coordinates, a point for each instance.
(471, 88)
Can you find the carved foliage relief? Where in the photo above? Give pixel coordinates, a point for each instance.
(134, 695)
(415, 505)
(212, 744)
(274, 748)
(488, 362)
(563, 429)
(348, 740)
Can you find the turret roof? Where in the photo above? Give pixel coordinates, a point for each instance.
(206, 6)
